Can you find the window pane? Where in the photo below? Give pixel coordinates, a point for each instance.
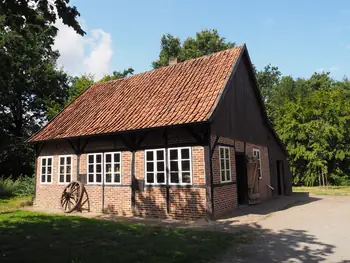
(68, 169)
(160, 166)
(185, 165)
(117, 178)
(108, 178)
(150, 178)
(185, 153)
(68, 179)
(223, 176)
(91, 178)
(91, 168)
(98, 158)
(43, 178)
(98, 178)
(61, 178)
(62, 160)
(228, 175)
(43, 170)
(186, 177)
(174, 177)
(98, 168)
(49, 169)
(227, 153)
(43, 161)
(221, 152)
(69, 159)
(227, 164)
(91, 159)
(49, 178)
(108, 158)
(116, 167)
(149, 156)
(108, 168)
(160, 155)
(49, 161)
(174, 166)
(117, 157)
(150, 167)
(222, 163)
(160, 178)
(173, 154)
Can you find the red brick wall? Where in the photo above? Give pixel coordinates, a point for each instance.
(185, 202)
(225, 194)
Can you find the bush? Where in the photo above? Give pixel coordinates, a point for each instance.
(23, 186)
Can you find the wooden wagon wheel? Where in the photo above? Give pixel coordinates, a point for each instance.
(71, 196)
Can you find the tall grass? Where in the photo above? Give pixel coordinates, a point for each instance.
(22, 186)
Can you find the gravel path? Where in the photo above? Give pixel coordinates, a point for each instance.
(314, 230)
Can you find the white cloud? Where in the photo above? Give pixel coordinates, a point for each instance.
(89, 54)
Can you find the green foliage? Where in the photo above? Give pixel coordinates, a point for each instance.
(312, 117)
(28, 78)
(206, 42)
(117, 75)
(22, 186)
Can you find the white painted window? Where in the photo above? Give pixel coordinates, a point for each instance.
(94, 168)
(180, 166)
(46, 169)
(155, 166)
(65, 168)
(256, 153)
(112, 168)
(225, 164)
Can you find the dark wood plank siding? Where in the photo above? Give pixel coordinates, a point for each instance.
(240, 116)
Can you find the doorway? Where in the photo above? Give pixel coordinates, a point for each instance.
(280, 173)
(242, 179)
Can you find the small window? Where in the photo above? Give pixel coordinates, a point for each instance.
(46, 170)
(94, 168)
(155, 166)
(112, 172)
(180, 166)
(256, 153)
(65, 168)
(225, 167)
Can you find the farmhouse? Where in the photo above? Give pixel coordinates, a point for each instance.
(190, 140)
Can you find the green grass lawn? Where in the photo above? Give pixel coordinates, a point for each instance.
(11, 204)
(329, 190)
(35, 237)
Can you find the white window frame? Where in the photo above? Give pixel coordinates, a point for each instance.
(180, 165)
(112, 165)
(155, 171)
(65, 169)
(225, 169)
(94, 173)
(41, 168)
(259, 167)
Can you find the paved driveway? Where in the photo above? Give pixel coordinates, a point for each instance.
(314, 230)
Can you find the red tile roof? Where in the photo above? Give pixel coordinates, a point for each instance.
(182, 93)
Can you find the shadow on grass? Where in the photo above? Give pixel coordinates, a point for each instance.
(34, 237)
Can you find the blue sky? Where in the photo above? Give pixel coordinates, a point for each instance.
(300, 37)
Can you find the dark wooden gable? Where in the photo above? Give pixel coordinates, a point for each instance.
(240, 115)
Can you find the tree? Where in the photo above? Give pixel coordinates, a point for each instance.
(206, 42)
(23, 12)
(28, 78)
(117, 75)
(77, 86)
